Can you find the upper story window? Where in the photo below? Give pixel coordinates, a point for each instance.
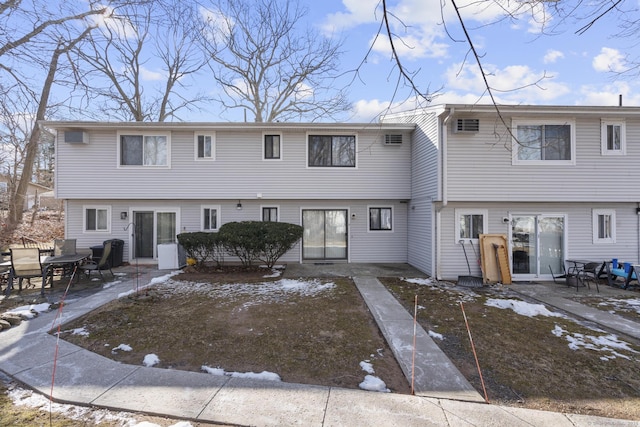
(380, 219)
(205, 146)
(210, 218)
(144, 150)
(604, 226)
(470, 224)
(332, 151)
(543, 143)
(270, 213)
(96, 218)
(272, 147)
(613, 134)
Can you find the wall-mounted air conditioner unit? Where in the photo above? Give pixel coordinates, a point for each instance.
(76, 137)
(466, 125)
(393, 139)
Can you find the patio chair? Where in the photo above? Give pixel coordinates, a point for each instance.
(558, 277)
(63, 247)
(25, 264)
(102, 264)
(589, 273)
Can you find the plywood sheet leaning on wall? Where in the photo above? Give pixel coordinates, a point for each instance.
(495, 258)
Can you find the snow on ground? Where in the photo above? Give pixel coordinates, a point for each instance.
(30, 311)
(371, 382)
(622, 304)
(264, 375)
(607, 343)
(150, 360)
(522, 307)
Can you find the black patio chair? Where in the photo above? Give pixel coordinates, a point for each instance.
(103, 263)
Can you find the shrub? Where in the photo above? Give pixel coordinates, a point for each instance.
(259, 240)
(202, 247)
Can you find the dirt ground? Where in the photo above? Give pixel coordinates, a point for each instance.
(551, 363)
(308, 331)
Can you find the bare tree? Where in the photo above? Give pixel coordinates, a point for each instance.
(265, 64)
(121, 53)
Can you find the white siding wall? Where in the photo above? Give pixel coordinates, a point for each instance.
(90, 171)
(425, 182)
(579, 232)
(479, 166)
(364, 245)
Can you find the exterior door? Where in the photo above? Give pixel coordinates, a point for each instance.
(151, 229)
(325, 234)
(537, 245)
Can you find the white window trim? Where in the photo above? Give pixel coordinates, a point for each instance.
(459, 212)
(596, 213)
(143, 134)
(96, 207)
(269, 206)
(213, 146)
(268, 159)
(623, 137)
(537, 122)
(393, 218)
(218, 217)
(329, 133)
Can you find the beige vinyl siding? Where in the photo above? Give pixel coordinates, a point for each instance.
(364, 246)
(479, 166)
(238, 171)
(579, 232)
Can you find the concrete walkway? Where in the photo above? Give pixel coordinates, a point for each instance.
(81, 377)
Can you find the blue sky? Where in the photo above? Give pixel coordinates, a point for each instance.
(577, 69)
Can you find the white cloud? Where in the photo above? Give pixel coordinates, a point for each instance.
(151, 75)
(552, 56)
(516, 84)
(368, 110)
(418, 24)
(609, 94)
(609, 60)
(120, 25)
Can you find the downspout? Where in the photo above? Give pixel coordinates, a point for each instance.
(443, 188)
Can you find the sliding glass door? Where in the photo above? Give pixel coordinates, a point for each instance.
(325, 234)
(537, 244)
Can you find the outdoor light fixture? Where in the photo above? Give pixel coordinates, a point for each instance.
(239, 206)
(123, 215)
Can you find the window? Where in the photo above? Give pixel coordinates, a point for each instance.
(210, 218)
(332, 151)
(604, 226)
(270, 214)
(96, 218)
(543, 143)
(613, 137)
(144, 150)
(272, 147)
(470, 224)
(205, 147)
(380, 219)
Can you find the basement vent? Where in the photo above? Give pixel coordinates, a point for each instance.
(467, 125)
(393, 139)
(76, 137)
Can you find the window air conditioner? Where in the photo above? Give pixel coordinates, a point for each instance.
(466, 125)
(76, 137)
(393, 139)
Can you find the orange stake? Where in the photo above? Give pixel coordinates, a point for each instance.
(473, 348)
